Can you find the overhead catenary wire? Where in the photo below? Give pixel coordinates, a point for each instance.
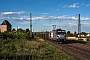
(43, 9)
(85, 12)
(57, 3)
(45, 6)
(50, 8)
(53, 6)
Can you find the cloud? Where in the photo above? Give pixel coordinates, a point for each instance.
(65, 6)
(5, 14)
(64, 17)
(85, 18)
(15, 18)
(8, 16)
(57, 9)
(88, 5)
(55, 18)
(82, 4)
(72, 6)
(86, 24)
(11, 13)
(25, 22)
(72, 24)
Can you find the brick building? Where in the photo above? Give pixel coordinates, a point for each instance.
(5, 26)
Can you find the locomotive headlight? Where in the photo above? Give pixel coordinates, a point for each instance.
(57, 37)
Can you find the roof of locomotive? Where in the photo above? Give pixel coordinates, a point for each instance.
(60, 30)
(57, 30)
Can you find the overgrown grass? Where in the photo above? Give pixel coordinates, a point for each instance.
(40, 50)
(35, 49)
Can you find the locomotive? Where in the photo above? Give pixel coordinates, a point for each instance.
(58, 35)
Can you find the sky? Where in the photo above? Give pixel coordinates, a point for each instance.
(45, 13)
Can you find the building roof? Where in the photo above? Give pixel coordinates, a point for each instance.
(5, 22)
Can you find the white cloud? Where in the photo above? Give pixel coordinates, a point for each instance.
(5, 14)
(11, 13)
(65, 6)
(85, 24)
(72, 24)
(84, 18)
(75, 24)
(27, 18)
(72, 6)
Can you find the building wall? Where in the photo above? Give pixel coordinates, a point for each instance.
(3, 28)
(9, 28)
(75, 38)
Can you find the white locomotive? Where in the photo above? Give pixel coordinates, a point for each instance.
(58, 35)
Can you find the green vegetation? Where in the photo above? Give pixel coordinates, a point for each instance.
(68, 33)
(17, 45)
(79, 41)
(88, 40)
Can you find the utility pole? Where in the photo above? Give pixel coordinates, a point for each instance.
(31, 25)
(17, 27)
(79, 27)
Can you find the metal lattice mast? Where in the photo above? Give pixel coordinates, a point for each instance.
(79, 26)
(30, 24)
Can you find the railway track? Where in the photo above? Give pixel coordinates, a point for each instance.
(79, 51)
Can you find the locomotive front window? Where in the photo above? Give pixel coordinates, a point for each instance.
(61, 33)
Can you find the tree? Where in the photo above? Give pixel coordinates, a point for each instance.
(83, 32)
(19, 29)
(75, 32)
(68, 33)
(13, 29)
(27, 30)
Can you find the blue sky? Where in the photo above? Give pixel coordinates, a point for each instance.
(45, 13)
